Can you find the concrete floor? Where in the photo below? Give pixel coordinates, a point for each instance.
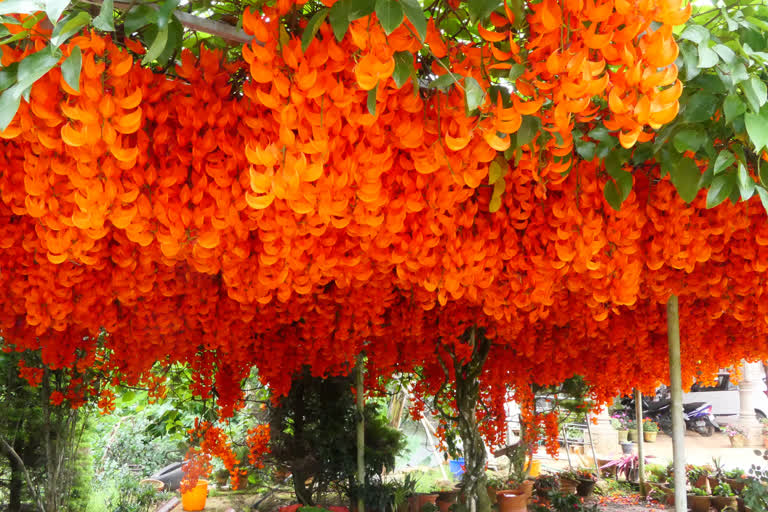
(699, 450)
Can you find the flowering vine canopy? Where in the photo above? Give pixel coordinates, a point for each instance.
(287, 183)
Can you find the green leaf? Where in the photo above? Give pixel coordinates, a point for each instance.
(157, 47)
(70, 68)
(746, 183)
(415, 14)
(720, 189)
(690, 57)
(695, 33)
(757, 128)
(312, 27)
(21, 6)
(360, 8)
(701, 107)
(444, 81)
(529, 127)
(164, 13)
(4, 32)
(763, 197)
(685, 177)
(617, 190)
(34, 66)
(15, 37)
(600, 133)
(474, 94)
(498, 192)
(586, 150)
(614, 162)
(733, 107)
(495, 172)
(338, 17)
(403, 67)
(724, 52)
(68, 27)
(724, 160)
(9, 104)
(479, 10)
(516, 71)
(372, 100)
(139, 17)
(390, 14)
(105, 20)
(755, 90)
(707, 57)
(54, 8)
(688, 139)
(8, 76)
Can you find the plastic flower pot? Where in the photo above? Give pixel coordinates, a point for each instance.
(194, 499)
(650, 437)
(456, 467)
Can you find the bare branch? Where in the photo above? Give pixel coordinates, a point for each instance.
(15, 455)
(197, 23)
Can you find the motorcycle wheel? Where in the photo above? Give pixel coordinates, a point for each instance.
(706, 431)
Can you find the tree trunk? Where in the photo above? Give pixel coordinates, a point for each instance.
(17, 479)
(467, 396)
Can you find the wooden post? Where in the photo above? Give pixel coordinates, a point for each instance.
(676, 389)
(640, 440)
(360, 431)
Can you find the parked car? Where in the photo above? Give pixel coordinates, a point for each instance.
(724, 396)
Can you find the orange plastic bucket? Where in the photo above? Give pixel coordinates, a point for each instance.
(194, 499)
(534, 468)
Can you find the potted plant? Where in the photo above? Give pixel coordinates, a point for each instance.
(699, 500)
(221, 476)
(569, 481)
(736, 479)
(697, 476)
(619, 422)
(401, 491)
(650, 430)
(493, 484)
(447, 494)
(723, 496)
(587, 480)
(545, 484)
(717, 474)
(631, 430)
(627, 465)
(736, 435)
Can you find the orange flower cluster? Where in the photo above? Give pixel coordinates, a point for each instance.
(258, 445)
(288, 226)
(207, 441)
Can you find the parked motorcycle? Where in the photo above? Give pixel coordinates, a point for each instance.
(697, 415)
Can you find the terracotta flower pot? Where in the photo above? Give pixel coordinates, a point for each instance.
(720, 502)
(738, 441)
(568, 486)
(524, 488)
(445, 499)
(736, 484)
(713, 481)
(511, 502)
(650, 437)
(491, 490)
(423, 499)
(698, 503)
(585, 488)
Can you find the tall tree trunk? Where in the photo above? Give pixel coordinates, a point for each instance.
(17, 477)
(467, 385)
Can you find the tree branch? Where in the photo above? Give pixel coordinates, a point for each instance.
(197, 23)
(15, 455)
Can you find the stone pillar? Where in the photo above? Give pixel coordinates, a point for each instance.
(747, 418)
(604, 437)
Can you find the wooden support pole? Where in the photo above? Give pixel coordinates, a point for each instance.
(676, 389)
(359, 369)
(640, 440)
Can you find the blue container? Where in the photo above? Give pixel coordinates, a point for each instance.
(456, 467)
